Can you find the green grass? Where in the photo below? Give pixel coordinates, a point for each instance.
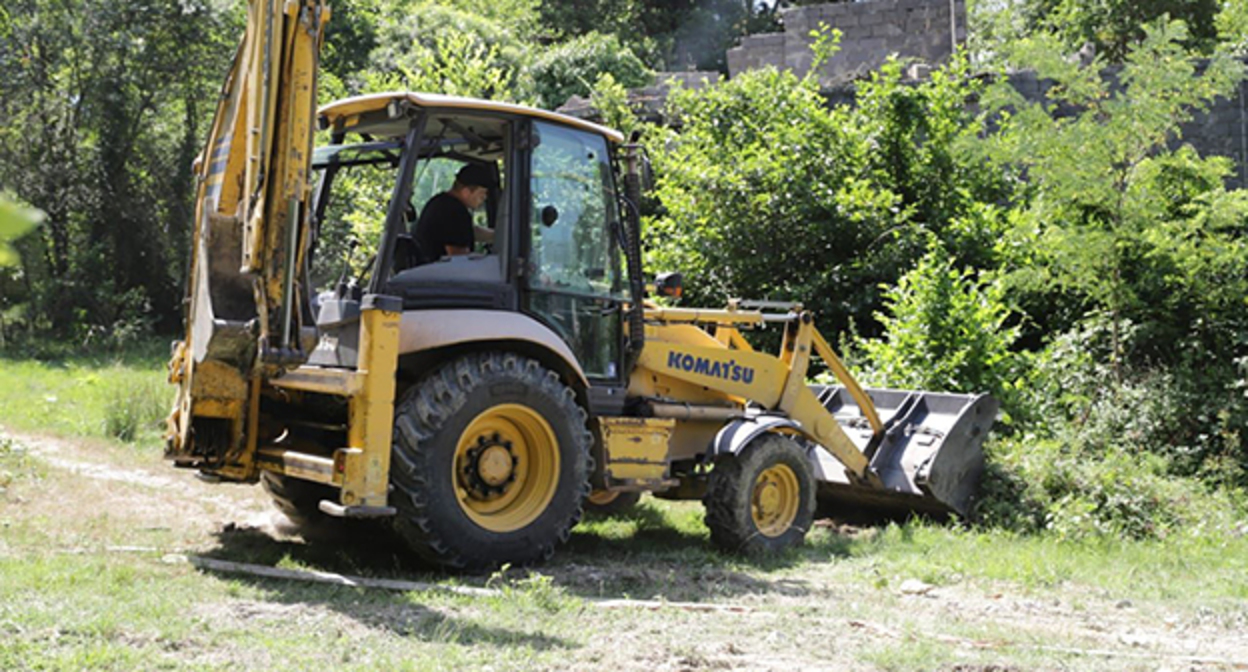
(122, 396)
(66, 603)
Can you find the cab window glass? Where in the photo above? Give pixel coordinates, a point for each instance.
(573, 213)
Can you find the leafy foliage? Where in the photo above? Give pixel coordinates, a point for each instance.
(104, 107)
(1110, 28)
(15, 221)
(1099, 182)
(573, 67)
(946, 331)
(445, 50)
(772, 194)
(1232, 23)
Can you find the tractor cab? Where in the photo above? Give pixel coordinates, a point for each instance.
(547, 241)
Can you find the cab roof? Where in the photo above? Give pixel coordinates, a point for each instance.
(343, 110)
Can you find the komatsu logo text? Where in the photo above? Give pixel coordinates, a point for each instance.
(728, 370)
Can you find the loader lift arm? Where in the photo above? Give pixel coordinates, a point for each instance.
(903, 456)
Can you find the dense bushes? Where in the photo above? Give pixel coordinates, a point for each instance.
(573, 67)
(946, 331)
(1068, 257)
(766, 192)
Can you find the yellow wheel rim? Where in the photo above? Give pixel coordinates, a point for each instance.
(506, 467)
(775, 499)
(603, 497)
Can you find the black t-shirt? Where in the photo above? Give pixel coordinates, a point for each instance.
(444, 221)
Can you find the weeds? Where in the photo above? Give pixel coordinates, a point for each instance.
(128, 412)
(536, 591)
(121, 397)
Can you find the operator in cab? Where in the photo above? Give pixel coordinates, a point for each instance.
(445, 226)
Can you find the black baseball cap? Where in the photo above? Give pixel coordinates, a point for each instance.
(475, 175)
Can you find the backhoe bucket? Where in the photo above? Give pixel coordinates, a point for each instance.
(929, 458)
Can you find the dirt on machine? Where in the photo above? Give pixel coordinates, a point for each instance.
(477, 404)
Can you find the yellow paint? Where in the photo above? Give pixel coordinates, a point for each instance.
(347, 111)
(367, 478)
(506, 467)
(774, 500)
(764, 386)
(777, 383)
(704, 316)
(828, 355)
(636, 448)
(797, 358)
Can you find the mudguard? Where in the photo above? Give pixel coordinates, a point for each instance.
(736, 435)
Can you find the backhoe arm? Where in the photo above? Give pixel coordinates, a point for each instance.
(244, 320)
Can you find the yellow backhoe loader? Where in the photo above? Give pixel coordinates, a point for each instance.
(480, 402)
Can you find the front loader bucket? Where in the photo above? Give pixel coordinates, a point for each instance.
(929, 458)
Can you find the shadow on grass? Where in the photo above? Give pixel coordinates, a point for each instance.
(370, 553)
(648, 552)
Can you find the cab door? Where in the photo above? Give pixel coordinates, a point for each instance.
(573, 281)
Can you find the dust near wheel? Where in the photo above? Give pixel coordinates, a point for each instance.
(761, 500)
(299, 500)
(490, 462)
(610, 503)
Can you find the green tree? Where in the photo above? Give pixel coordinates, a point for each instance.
(1090, 220)
(571, 68)
(1232, 23)
(946, 331)
(766, 192)
(104, 105)
(15, 221)
(1110, 27)
(444, 50)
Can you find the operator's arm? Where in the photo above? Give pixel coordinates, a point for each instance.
(482, 235)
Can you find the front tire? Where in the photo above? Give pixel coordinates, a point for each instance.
(490, 462)
(762, 500)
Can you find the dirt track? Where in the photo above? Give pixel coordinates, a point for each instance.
(1067, 628)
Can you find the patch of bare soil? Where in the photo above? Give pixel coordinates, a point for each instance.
(802, 620)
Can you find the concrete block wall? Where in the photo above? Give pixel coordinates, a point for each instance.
(871, 31)
(1220, 130)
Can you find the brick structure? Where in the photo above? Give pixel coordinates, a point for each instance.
(871, 31)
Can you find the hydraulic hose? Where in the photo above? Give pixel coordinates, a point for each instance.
(632, 253)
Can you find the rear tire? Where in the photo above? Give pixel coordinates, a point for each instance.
(608, 503)
(762, 500)
(300, 500)
(490, 462)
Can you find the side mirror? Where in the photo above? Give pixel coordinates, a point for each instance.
(669, 284)
(550, 214)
